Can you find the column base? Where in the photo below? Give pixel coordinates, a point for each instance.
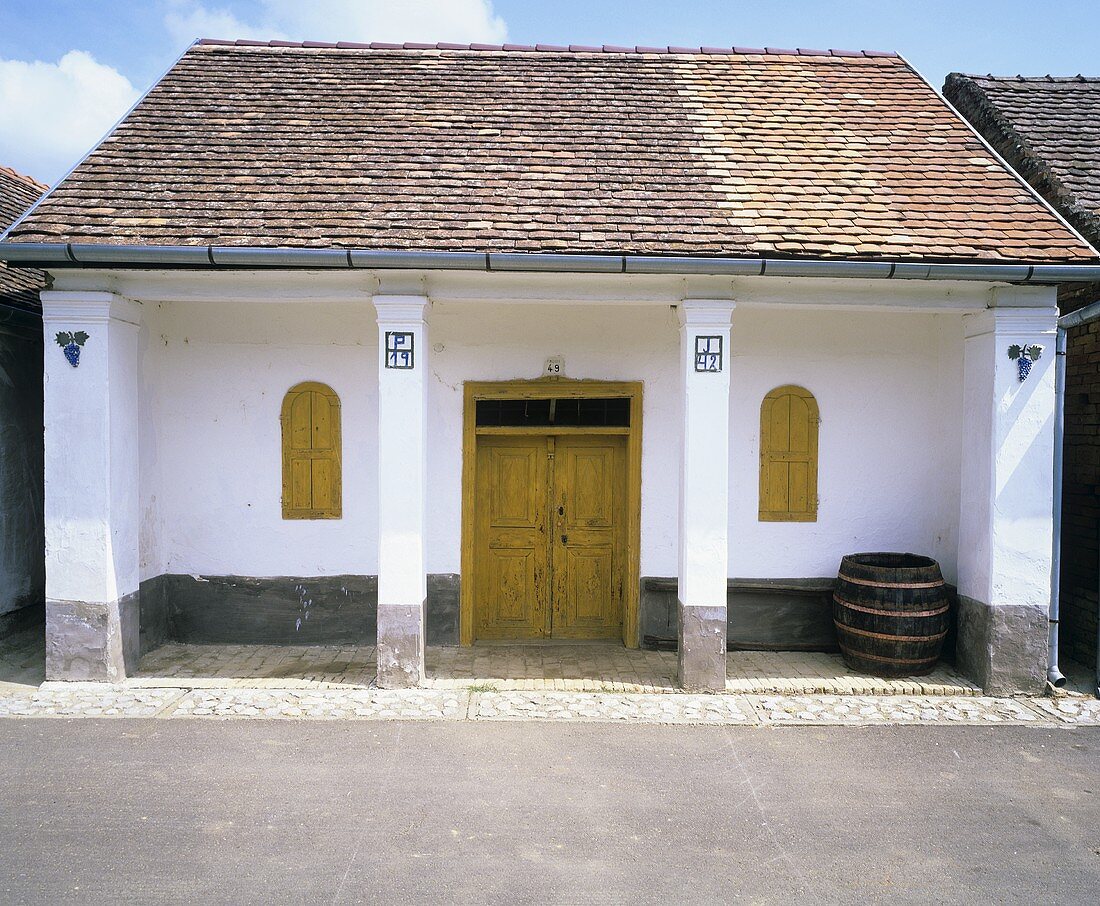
(400, 645)
(702, 647)
(1003, 648)
(92, 641)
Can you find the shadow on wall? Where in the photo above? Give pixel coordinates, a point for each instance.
(324, 610)
(22, 532)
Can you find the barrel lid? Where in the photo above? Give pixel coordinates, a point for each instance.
(891, 560)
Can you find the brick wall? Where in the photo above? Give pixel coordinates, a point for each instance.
(1081, 482)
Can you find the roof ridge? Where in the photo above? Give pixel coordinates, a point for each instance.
(550, 48)
(989, 77)
(23, 177)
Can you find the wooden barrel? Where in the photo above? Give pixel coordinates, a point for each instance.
(891, 613)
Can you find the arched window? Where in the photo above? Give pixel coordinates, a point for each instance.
(788, 456)
(311, 452)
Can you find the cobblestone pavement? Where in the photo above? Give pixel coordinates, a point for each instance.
(512, 682)
(104, 700)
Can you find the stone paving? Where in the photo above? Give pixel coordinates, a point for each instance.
(259, 666)
(875, 709)
(107, 701)
(512, 682)
(529, 668)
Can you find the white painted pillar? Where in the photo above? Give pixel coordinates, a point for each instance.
(1005, 515)
(92, 510)
(402, 483)
(704, 493)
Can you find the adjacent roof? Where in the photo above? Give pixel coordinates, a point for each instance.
(668, 151)
(1048, 129)
(18, 286)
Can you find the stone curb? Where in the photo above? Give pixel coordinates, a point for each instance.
(77, 700)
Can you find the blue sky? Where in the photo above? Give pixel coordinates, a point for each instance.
(70, 68)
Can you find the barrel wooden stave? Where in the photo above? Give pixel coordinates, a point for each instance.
(891, 612)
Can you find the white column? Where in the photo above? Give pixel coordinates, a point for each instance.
(704, 493)
(402, 482)
(91, 499)
(1005, 515)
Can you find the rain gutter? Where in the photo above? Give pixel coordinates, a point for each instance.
(1079, 318)
(208, 257)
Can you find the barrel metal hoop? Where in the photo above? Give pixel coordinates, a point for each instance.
(892, 638)
(888, 660)
(892, 613)
(855, 581)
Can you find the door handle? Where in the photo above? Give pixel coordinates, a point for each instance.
(564, 539)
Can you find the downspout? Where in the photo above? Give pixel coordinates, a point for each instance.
(1055, 676)
(1078, 318)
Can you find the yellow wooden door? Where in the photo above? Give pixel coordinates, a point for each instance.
(511, 562)
(589, 514)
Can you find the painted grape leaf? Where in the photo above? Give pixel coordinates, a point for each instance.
(1014, 352)
(80, 337)
(1034, 352)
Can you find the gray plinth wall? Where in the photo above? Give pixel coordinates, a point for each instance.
(326, 610)
(761, 614)
(1003, 648)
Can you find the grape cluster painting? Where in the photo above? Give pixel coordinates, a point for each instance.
(71, 343)
(1024, 356)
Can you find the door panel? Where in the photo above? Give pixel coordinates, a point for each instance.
(589, 500)
(511, 557)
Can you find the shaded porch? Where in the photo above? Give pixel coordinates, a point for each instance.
(499, 667)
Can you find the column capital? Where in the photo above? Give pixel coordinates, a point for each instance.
(706, 312)
(400, 309)
(1024, 297)
(88, 307)
(1010, 321)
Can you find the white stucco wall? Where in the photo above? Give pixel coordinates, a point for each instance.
(888, 384)
(212, 466)
(889, 389)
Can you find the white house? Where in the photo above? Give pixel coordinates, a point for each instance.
(467, 343)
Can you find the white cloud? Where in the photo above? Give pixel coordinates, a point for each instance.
(193, 20)
(460, 21)
(51, 114)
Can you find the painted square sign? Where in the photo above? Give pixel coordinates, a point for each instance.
(399, 349)
(708, 353)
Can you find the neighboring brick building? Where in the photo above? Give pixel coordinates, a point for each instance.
(22, 545)
(1047, 129)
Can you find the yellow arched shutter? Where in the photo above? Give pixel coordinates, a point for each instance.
(311, 453)
(788, 456)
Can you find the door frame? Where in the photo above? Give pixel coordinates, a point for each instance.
(550, 388)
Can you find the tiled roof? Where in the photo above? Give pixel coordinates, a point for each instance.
(675, 151)
(18, 286)
(1048, 128)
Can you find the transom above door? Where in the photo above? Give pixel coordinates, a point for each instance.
(550, 537)
(551, 511)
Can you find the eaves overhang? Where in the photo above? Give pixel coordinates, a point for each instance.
(202, 257)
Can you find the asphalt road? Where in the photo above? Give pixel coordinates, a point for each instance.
(270, 812)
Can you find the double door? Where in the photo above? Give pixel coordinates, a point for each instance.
(550, 536)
